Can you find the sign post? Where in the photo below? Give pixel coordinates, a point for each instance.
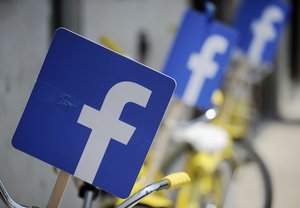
(197, 61)
(260, 29)
(199, 58)
(93, 114)
(59, 189)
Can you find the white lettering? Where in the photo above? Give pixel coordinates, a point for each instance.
(105, 125)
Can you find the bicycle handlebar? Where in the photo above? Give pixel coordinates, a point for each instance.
(171, 181)
(8, 201)
(134, 199)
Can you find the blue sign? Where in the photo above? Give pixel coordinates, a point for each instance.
(93, 113)
(260, 24)
(199, 58)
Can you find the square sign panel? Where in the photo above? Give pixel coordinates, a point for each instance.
(199, 58)
(93, 113)
(260, 24)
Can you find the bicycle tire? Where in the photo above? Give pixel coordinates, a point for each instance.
(254, 157)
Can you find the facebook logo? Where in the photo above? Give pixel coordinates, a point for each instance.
(261, 24)
(203, 66)
(109, 115)
(199, 58)
(93, 113)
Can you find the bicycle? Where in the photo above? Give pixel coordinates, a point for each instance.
(215, 167)
(217, 150)
(171, 181)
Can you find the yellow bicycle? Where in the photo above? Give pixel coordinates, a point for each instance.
(218, 156)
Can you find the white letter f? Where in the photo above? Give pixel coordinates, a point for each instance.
(263, 32)
(105, 125)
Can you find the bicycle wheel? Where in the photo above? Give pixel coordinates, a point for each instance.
(251, 185)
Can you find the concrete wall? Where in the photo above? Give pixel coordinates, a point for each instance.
(288, 91)
(24, 40)
(122, 21)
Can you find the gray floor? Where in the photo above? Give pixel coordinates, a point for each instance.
(279, 143)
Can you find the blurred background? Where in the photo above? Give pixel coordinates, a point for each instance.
(145, 29)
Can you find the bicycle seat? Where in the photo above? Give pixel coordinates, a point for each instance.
(203, 137)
